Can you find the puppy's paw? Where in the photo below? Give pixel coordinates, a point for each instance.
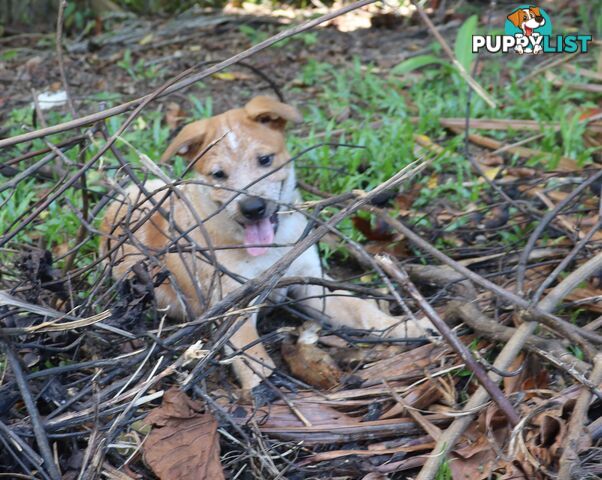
(419, 329)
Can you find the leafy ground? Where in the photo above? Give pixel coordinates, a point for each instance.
(388, 96)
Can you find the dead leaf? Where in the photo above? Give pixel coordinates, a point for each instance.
(473, 461)
(476, 458)
(183, 444)
(405, 200)
(592, 138)
(421, 397)
(395, 249)
(379, 232)
(489, 159)
(347, 356)
(433, 181)
(522, 172)
(587, 297)
(407, 365)
(232, 76)
(147, 39)
(311, 364)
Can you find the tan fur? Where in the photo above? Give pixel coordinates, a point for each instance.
(232, 143)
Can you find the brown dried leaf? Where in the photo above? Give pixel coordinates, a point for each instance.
(352, 357)
(183, 444)
(311, 364)
(522, 172)
(476, 458)
(475, 467)
(379, 232)
(421, 397)
(396, 249)
(405, 200)
(588, 298)
(406, 365)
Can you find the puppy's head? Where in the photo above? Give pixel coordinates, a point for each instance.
(527, 19)
(239, 152)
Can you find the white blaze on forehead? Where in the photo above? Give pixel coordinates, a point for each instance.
(232, 140)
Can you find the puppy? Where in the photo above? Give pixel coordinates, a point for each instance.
(240, 208)
(527, 19)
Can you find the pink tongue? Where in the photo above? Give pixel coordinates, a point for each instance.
(260, 233)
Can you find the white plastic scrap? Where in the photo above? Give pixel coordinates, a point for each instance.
(48, 100)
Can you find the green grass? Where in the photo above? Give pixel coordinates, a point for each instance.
(444, 472)
(349, 99)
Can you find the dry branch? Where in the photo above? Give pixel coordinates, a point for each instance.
(506, 124)
(494, 391)
(503, 362)
(542, 315)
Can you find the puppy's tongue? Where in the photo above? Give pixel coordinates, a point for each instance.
(259, 233)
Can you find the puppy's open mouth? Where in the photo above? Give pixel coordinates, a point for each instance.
(260, 234)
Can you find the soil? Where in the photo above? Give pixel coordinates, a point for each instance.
(160, 49)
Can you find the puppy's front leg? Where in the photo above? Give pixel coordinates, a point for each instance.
(253, 364)
(343, 309)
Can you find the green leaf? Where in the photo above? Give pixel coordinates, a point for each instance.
(415, 63)
(463, 46)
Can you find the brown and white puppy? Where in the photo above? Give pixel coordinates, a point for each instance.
(527, 19)
(240, 207)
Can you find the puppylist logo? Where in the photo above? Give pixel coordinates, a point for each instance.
(528, 29)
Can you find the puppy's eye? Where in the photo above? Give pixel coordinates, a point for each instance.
(219, 175)
(265, 160)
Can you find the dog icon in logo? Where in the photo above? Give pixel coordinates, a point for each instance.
(527, 20)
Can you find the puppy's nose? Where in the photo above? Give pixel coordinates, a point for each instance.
(538, 19)
(252, 208)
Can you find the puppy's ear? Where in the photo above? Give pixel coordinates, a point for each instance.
(516, 17)
(270, 111)
(187, 141)
(535, 11)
